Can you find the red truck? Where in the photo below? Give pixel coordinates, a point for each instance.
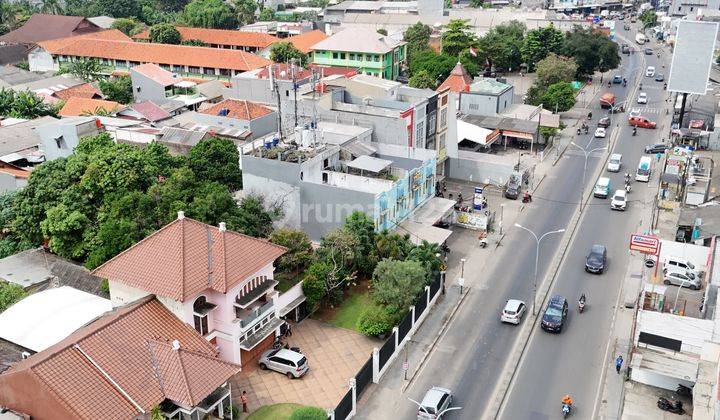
(607, 100)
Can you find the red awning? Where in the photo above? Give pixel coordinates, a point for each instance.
(518, 134)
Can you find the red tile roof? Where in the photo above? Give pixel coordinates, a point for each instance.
(75, 106)
(458, 81)
(85, 90)
(41, 27)
(220, 37)
(242, 110)
(150, 111)
(187, 257)
(122, 360)
(109, 35)
(143, 52)
(157, 74)
(303, 42)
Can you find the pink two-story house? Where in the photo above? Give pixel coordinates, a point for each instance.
(218, 281)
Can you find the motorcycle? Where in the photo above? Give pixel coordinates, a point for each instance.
(665, 86)
(634, 131)
(527, 198)
(684, 391)
(640, 86)
(483, 240)
(578, 131)
(581, 306)
(566, 408)
(666, 405)
(627, 187)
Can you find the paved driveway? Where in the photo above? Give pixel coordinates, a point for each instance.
(334, 354)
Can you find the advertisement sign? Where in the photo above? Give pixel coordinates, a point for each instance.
(645, 244)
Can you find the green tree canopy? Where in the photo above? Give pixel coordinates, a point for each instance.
(87, 69)
(10, 293)
(417, 37)
(165, 33)
(266, 15)
(648, 18)
(591, 50)
(396, 285)
(282, 52)
(539, 43)
(217, 159)
(555, 68)
(245, 11)
(308, 413)
(439, 66)
(299, 247)
(422, 80)
(128, 26)
(28, 105)
(560, 96)
(118, 89)
(209, 14)
(119, 9)
(382, 31)
(458, 38)
(502, 45)
(194, 43)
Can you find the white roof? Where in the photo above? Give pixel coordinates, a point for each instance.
(45, 318)
(358, 40)
(369, 163)
(467, 131)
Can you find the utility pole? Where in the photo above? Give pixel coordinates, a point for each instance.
(313, 75)
(279, 110)
(294, 81)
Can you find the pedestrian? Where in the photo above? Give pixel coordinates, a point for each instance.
(244, 400)
(618, 363)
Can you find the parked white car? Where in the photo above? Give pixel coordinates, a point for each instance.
(513, 311)
(642, 98)
(614, 163)
(650, 72)
(682, 279)
(619, 200)
(600, 132)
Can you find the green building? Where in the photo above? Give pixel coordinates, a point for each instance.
(363, 49)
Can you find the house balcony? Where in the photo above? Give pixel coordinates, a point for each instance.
(247, 318)
(246, 300)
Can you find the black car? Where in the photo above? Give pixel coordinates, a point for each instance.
(554, 316)
(659, 78)
(625, 49)
(595, 261)
(656, 148)
(648, 51)
(512, 189)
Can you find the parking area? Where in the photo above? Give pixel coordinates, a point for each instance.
(641, 403)
(334, 356)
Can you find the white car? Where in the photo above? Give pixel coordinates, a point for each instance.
(682, 279)
(600, 132)
(650, 72)
(619, 200)
(642, 98)
(615, 162)
(513, 311)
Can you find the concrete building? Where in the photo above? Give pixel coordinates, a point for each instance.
(692, 7)
(60, 138)
(251, 42)
(366, 50)
(486, 97)
(323, 175)
(258, 119)
(154, 83)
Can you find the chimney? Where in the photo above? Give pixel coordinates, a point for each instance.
(181, 215)
(222, 227)
(176, 345)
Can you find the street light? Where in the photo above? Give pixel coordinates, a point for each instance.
(461, 280)
(438, 415)
(587, 154)
(537, 256)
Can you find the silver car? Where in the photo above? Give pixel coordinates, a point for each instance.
(436, 401)
(290, 363)
(681, 278)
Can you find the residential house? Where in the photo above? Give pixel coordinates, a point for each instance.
(443, 108)
(212, 90)
(122, 54)
(218, 281)
(122, 365)
(75, 107)
(146, 111)
(691, 7)
(251, 42)
(240, 115)
(59, 138)
(42, 27)
(153, 83)
(458, 80)
(20, 144)
(85, 90)
(368, 51)
(104, 22)
(279, 29)
(12, 177)
(486, 97)
(303, 42)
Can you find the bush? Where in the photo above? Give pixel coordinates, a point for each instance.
(309, 413)
(374, 321)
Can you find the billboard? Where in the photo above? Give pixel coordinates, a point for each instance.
(645, 244)
(692, 57)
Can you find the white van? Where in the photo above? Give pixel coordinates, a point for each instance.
(680, 264)
(644, 169)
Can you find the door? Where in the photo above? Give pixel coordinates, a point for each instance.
(251, 356)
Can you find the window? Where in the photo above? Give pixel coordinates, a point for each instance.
(208, 71)
(420, 131)
(441, 142)
(60, 142)
(342, 56)
(351, 56)
(200, 318)
(376, 58)
(193, 69)
(336, 56)
(178, 69)
(134, 63)
(432, 123)
(165, 67)
(443, 116)
(474, 107)
(224, 72)
(444, 100)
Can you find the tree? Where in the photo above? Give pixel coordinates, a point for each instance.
(308, 413)
(392, 246)
(65, 227)
(119, 9)
(422, 80)
(30, 106)
(560, 96)
(362, 229)
(417, 37)
(51, 7)
(266, 15)
(539, 43)
(254, 219)
(209, 14)
(7, 100)
(396, 285)
(457, 38)
(428, 254)
(10, 242)
(326, 277)
(648, 18)
(591, 50)
(477, 3)
(194, 43)
(555, 68)
(10, 293)
(87, 69)
(165, 33)
(118, 89)
(382, 31)
(217, 159)
(282, 52)
(128, 26)
(374, 321)
(245, 10)
(502, 45)
(299, 253)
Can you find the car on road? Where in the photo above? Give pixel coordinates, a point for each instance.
(641, 122)
(650, 71)
(619, 200)
(288, 362)
(513, 311)
(660, 78)
(625, 49)
(617, 79)
(602, 187)
(596, 259)
(626, 27)
(604, 122)
(648, 51)
(555, 314)
(512, 188)
(682, 279)
(642, 98)
(435, 401)
(614, 163)
(600, 132)
(656, 148)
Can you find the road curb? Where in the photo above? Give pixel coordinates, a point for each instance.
(431, 347)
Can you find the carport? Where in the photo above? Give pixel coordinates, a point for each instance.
(421, 223)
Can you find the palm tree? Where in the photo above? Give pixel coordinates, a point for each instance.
(52, 7)
(28, 105)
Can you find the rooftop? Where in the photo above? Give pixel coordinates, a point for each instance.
(305, 41)
(358, 40)
(156, 74)
(41, 27)
(83, 106)
(220, 37)
(44, 318)
(458, 81)
(186, 257)
(21, 136)
(489, 86)
(85, 90)
(242, 110)
(150, 111)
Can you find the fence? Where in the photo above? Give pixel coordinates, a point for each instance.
(380, 361)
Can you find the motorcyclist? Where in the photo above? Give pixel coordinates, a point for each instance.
(634, 131)
(567, 400)
(627, 177)
(640, 85)
(665, 86)
(582, 298)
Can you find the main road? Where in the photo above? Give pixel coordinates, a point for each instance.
(470, 357)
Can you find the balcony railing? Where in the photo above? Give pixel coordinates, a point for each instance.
(256, 314)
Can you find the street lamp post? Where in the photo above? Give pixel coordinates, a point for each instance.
(537, 257)
(587, 154)
(461, 280)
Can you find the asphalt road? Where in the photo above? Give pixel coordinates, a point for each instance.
(469, 358)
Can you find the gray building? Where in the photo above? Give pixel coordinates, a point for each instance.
(59, 138)
(151, 82)
(256, 118)
(487, 97)
(691, 7)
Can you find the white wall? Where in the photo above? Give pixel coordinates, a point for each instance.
(284, 299)
(41, 60)
(121, 294)
(657, 380)
(693, 332)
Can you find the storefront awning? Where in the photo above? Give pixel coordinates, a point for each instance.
(517, 134)
(420, 232)
(476, 134)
